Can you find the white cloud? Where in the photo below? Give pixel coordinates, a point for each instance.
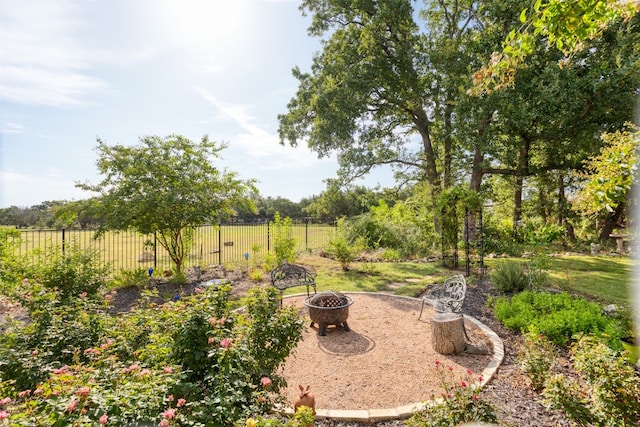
(13, 128)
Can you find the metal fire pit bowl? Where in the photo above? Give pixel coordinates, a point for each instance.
(329, 308)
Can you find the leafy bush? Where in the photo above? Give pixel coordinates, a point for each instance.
(404, 227)
(461, 402)
(341, 249)
(138, 278)
(72, 273)
(537, 359)
(284, 244)
(607, 393)
(302, 418)
(193, 361)
(556, 316)
(510, 277)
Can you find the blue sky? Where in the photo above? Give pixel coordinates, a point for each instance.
(72, 71)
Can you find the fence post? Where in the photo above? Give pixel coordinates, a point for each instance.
(306, 233)
(155, 251)
(220, 243)
(63, 230)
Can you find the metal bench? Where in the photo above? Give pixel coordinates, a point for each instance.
(287, 276)
(446, 297)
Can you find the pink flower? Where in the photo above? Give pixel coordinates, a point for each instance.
(463, 384)
(3, 415)
(199, 290)
(164, 423)
(211, 340)
(265, 381)
(83, 392)
(5, 401)
(450, 368)
(145, 372)
(60, 370)
(469, 371)
(169, 413)
(437, 363)
(226, 343)
(181, 402)
(170, 398)
(24, 393)
(168, 369)
(72, 406)
(83, 295)
(34, 352)
(474, 397)
(213, 321)
(480, 378)
(103, 419)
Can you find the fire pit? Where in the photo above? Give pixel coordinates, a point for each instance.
(328, 308)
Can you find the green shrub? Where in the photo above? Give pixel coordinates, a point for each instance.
(71, 273)
(138, 278)
(509, 277)
(607, 392)
(193, 361)
(341, 249)
(461, 402)
(284, 244)
(537, 359)
(556, 316)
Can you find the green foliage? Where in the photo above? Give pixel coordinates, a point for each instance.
(461, 402)
(341, 249)
(302, 418)
(510, 276)
(165, 186)
(537, 359)
(556, 316)
(71, 273)
(405, 227)
(607, 392)
(55, 335)
(9, 262)
(284, 244)
(610, 174)
(189, 362)
(138, 278)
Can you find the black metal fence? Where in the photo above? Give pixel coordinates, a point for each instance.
(211, 244)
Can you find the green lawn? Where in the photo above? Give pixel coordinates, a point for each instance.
(603, 278)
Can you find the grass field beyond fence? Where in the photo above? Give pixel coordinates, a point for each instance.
(212, 244)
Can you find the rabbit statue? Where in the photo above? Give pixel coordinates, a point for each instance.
(305, 398)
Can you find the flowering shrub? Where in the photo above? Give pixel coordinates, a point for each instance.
(607, 392)
(537, 358)
(189, 362)
(460, 401)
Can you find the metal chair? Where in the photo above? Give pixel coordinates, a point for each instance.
(446, 297)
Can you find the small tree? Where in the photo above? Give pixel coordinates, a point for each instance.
(608, 180)
(284, 244)
(166, 186)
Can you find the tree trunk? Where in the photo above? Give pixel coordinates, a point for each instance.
(517, 202)
(447, 333)
(611, 222)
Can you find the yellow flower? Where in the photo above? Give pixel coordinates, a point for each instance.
(251, 422)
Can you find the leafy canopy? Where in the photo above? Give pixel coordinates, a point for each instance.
(167, 186)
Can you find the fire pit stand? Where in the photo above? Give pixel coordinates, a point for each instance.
(329, 308)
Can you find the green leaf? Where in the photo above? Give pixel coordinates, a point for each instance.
(523, 15)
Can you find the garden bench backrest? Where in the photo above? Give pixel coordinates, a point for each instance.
(448, 296)
(287, 276)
